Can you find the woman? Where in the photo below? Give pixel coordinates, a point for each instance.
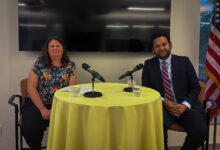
(53, 70)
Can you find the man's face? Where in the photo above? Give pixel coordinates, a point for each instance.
(161, 47)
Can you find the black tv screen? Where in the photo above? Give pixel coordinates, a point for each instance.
(92, 25)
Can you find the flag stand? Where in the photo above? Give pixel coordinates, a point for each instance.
(211, 64)
(214, 136)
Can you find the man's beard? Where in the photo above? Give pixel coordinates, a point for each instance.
(164, 57)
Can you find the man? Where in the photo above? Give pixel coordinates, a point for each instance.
(175, 79)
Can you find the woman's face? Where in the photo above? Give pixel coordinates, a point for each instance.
(55, 49)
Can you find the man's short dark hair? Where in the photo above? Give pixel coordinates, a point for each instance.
(158, 34)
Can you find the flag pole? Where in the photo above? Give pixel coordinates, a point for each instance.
(214, 136)
(215, 119)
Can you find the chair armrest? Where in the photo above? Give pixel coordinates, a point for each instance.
(11, 101)
(210, 104)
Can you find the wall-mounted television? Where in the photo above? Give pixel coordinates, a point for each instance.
(92, 25)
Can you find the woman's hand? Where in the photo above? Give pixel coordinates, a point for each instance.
(45, 113)
(20, 120)
(73, 79)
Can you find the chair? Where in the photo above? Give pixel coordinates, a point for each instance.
(18, 106)
(201, 97)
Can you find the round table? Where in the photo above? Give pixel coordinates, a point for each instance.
(116, 121)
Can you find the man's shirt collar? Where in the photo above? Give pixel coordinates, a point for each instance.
(168, 60)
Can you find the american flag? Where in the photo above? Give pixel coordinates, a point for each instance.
(212, 64)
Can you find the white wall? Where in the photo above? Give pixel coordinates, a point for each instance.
(4, 90)
(185, 29)
(15, 65)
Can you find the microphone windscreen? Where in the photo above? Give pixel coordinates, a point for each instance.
(140, 66)
(85, 66)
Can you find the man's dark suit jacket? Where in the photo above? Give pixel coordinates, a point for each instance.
(185, 82)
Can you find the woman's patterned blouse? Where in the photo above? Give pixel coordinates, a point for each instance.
(52, 78)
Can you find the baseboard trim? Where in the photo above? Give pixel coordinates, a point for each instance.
(210, 147)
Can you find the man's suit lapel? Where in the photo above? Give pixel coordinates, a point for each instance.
(157, 75)
(174, 72)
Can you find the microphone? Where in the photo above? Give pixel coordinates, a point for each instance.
(94, 73)
(128, 73)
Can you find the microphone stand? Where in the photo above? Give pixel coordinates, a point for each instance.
(93, 93)
(129, 89)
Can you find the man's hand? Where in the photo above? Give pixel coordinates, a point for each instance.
(174, 109)
(169, 104)
(178, 110)
(182, 108)
(45, 113)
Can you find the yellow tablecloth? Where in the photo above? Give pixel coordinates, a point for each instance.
(115, 121)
